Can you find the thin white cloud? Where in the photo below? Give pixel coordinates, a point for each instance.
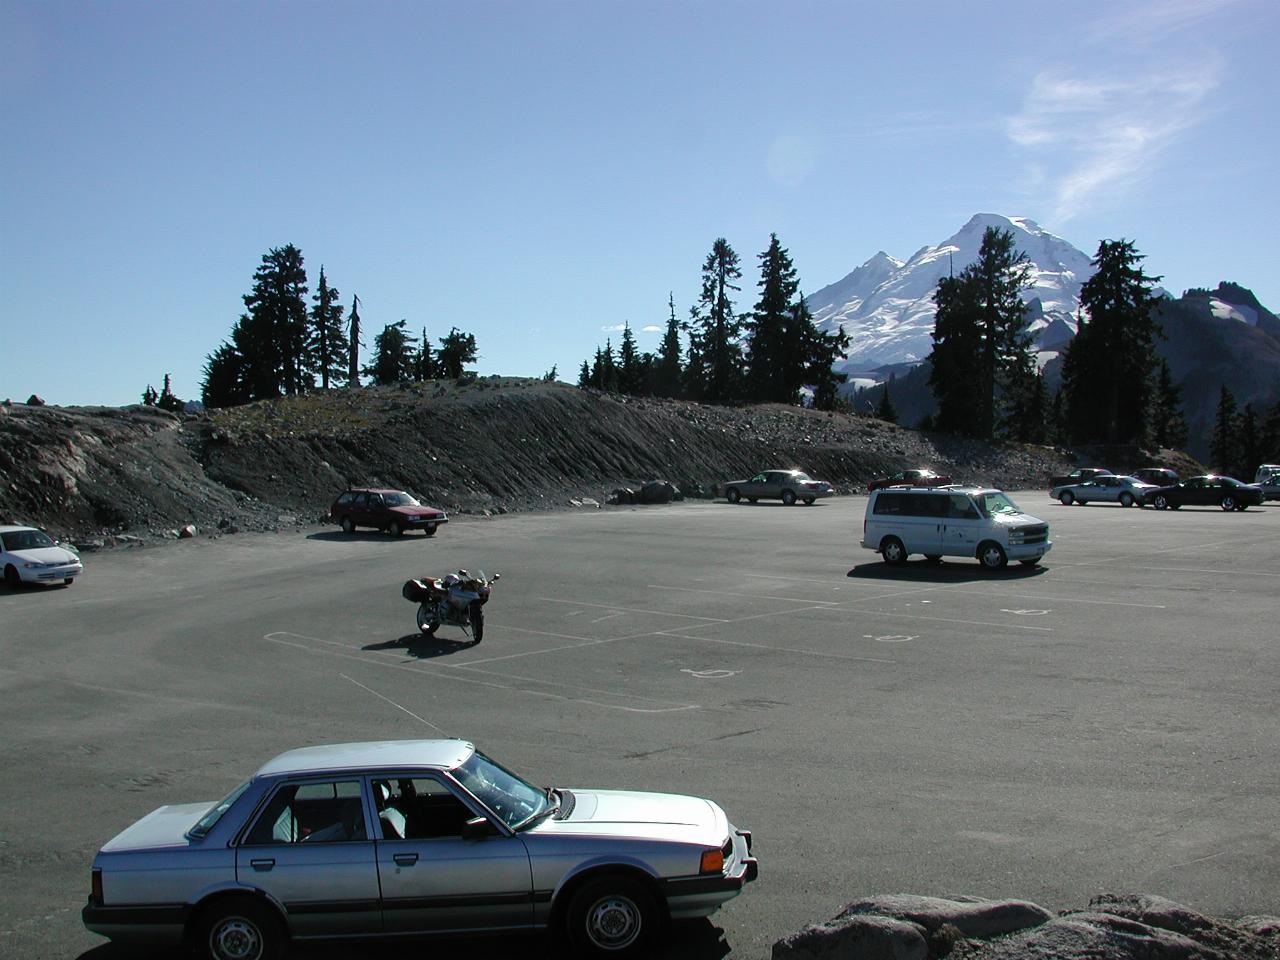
(651, 328)
(1156, 20)
(1088, 138)
(614, 328)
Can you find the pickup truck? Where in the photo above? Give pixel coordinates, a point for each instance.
(1079, 476)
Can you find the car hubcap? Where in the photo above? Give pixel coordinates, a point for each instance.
(991, 558)
(613, 923)
(235, 939)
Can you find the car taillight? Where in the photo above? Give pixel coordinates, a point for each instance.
(95, 892)
(712, 861)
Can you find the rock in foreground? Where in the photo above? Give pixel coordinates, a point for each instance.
(1132, 927)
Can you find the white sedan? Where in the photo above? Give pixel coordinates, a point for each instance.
(29, 555)
(1123, 490)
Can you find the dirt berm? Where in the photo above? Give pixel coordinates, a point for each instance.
(102, 474)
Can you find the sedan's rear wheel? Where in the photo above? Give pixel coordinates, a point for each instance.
(788, 497)
(611, 917)
(1228, 502)
(1126, 500)
(733, 496)
(239, 929)
(1067, 498)
(1161, 502)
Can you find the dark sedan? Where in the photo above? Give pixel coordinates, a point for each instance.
(1207, 491)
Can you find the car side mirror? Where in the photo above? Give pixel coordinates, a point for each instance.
(477, 828)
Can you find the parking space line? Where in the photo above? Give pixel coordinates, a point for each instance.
(393, 703)
(975, 623)
(1037, 596)
(610, 606)
(730, 593)
(454, 676)
(764, 646)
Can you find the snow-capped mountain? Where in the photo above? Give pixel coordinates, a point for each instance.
(886, 305)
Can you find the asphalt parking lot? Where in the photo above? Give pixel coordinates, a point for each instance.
(1106, 722)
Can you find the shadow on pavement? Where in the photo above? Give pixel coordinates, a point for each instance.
(422, 647)
(956, 571)
(687, 940)
(363, 536)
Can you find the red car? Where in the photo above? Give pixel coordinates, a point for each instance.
(910, 478)
(391, 510)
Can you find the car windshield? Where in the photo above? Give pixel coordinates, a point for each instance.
(997, 503)
(506, 794)
(800, 475)
(399, 500)
(26, 540)
(207, 822)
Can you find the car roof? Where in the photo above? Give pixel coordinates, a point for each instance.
(14, 528)
(948, 488)
(368, 755)
(373, 490)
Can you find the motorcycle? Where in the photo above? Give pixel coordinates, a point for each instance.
(456, 599)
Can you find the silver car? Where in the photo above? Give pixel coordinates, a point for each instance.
(413, 837)
(785, 485)
(1120, 489)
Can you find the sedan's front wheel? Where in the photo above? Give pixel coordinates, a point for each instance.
(1228, 503)
(788, 497)
(11, 578)
(733, 496)
(1066, 498)
(239, 929)
(1126, 500)
(612, 917)
(1161, 502)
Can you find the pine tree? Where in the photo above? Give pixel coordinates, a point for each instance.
(1249, 448)
(630, 376)
(425, 368)
(666, 366)
(584, 375)
(224, 378)
(1270, 440)
(714, 329)
(1108, 366)
(1223, 447)
(775, 355)
(274, 331)
(353, 338)
(149, 396)
(885, 410)
(167, 400)
(327, 344)
(1168, 424)
(820, 352)
(954, 366)
(551, 375)
(456, 351)
(393, 356)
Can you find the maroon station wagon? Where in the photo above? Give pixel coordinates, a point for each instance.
(391, 510)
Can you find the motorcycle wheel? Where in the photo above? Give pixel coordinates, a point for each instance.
(477, 622)
(427, 622)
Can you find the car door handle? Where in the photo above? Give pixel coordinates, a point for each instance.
(405, 859)
(262, 866)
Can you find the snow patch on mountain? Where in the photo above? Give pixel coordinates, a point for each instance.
(1233, 311)
(886, 305)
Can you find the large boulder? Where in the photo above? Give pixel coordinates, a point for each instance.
(972, 916)
(865, 937)
(659, 491)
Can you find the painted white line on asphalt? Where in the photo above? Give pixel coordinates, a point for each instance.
(730, 593)
(1038, 596)
(974, 623)
(453, 676)
(765, 646)
(609, 606)
(392, 702)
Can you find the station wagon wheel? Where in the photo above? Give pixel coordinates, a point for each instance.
(788, 497)
(808, 501)
(893, 551)
(1066, 498)
(239, 929)
(611, 917)
(429, 529)
(992, 555)
(733, 496)
(1228, 502)
(396, 528)
(348, 526)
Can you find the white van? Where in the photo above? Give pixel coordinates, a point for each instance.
(952, 522)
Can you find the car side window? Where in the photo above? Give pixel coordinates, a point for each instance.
(345, 499)
(361, 500)
(419, 808)
(327, 812)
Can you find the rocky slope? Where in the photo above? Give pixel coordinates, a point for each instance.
(488, 445)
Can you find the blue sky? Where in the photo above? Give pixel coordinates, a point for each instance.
(537, 173)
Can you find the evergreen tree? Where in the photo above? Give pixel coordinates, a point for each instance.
(1249, 445)
(666, 366)
(1168, 424)
(1270, 440)
(274, 331)
(775, 358)
(551, 375)
(954, 367)
(1025, 406)
(885, 410)
(327, 344)
(584, 375)
(167, 400)
(425, 368)
(149, 396)
(821, 351)
(1223, 447)
(456, 351)
(714, 330)
(393, 356)
(353, 339)
(630, 374)
(1108, 366)
(224, 378)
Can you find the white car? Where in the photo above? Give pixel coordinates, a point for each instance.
(29, 555)
(1121, 489)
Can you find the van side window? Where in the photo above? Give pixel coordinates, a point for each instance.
(961, 507)
(890, 503)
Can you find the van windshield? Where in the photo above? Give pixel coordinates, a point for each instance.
(996, 503)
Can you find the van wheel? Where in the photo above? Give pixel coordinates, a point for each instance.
(893, 551)
(992, 556)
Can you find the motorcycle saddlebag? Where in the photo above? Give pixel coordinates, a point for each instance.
(415, 591)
